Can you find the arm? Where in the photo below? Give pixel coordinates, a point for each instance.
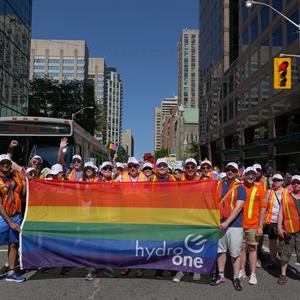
(262, 214)
(60, 157)
(280, 222)
(5, 216)
(238, 208)
(11, 148)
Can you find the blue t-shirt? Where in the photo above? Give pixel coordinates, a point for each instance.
(238, 221)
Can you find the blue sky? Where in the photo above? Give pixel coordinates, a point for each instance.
(138, 37)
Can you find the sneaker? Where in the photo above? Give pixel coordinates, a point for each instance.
(4, 270)
(159, 274)
(196, 276)
(253, 279)
(242, 274)
(15, 278)
(237, 284)
(282, 279)
(218, 280)
(177, 278)
(89, 276)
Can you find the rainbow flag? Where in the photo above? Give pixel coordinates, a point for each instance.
(113, 147)
(168, 225)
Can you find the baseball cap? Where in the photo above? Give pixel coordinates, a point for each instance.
(55, 169)
(233, 165)
(277, 176)
(37, 157)
(295, 177)
(147, 165)
(77, 156)
(119, 165)
(89, 164)
(257, 166)
(190, 160)
(205, 161)
(45, 172)
(161, 161)
(105, 164)
(30, 170)
(222, 175)
(4, 157)
(132, 161)
(249, 169)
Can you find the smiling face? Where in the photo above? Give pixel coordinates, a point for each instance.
(107, 172)
(250, 177)
(89, 172)
(162, 169)
(77, 164)
(147, 171)
(190, 169)
(231, 173)
(5, 167)
(133, 170)
(35, 163)
(205, 169)
(296, 186)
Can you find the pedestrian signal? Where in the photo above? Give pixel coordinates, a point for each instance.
(282, 73)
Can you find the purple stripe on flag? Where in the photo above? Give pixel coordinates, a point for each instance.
(185, 263)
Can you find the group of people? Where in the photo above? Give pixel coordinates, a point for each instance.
(250, 206)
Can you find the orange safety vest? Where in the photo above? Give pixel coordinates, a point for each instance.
(95, 179)
(126, 178)
(271, 202)
(11, 200)
(228, 201)
(171, 178)
(72, 175)
(291, 220)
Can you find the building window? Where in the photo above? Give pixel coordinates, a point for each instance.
(68, 68)
(254, 30)
(68, 61)
(80, 61)
(291, 31)
(39, 61)
(53, 67)
(264, 18)
(53, 61)
(38, 67)
(277, 4)
(277, 40)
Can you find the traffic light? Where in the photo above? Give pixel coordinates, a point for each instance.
(282, 73)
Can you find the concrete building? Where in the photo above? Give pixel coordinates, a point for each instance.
(113, 95)
(245, 119)
(188, 68)
(15, 30)
(128, 142)
(166, 106)
(61, 60)
(157, 128)
(96, 73)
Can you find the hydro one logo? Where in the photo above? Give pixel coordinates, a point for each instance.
(193, 243)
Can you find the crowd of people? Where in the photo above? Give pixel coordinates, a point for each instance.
(251, 206)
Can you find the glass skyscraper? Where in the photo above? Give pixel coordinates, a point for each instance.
(15, 36)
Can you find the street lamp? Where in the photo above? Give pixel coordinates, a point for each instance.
(80, 110)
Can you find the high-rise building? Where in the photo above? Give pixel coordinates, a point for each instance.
(247, 120)
(157, 128)
(128, 142)
(96, 73)
(188, 68)
(113, 95)
(166, 106)
(61, 60)
(15, 31)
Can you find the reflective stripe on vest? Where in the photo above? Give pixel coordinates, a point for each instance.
(288, 211)
(252, 197)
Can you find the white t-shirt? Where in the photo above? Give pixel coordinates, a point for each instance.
(276, 205)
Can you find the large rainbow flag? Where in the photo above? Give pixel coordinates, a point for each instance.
(171, 226)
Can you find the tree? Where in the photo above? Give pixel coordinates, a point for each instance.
(160, 153)
(192, 150)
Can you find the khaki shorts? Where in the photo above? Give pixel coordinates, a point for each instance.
(291, 246)
(231, 240)
(250, 237)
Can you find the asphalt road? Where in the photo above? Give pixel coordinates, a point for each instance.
(51, 285)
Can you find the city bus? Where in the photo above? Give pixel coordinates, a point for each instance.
(42, 136)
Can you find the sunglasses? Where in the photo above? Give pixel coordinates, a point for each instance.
(277, 180)
(205, 168)
(132, 167)
(107, 169)
(147, 169)
(35, 161)
(190, 167)
(162, 166)
(296, 182)
(231, 170)
(76, 161)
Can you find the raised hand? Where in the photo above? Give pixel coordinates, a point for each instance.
(63, 142)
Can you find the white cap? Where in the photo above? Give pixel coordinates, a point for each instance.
(133, 161)
(31, 169)
(4, 157)
(249, 169)
(295, 177)
(77, 156)
(45, 172)
(190, 160)
(89, 164)
(277, 176)
(179, 168)
(222, 175)
(205, 161)
(105, 164)
(232, 164)
(55, 169)
(147, 164)
(119, 165)
(162, 161)
(37, 157)
(257, 166)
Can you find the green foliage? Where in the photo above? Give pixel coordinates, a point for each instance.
(160, 153)
(192, 150)
(59, 100)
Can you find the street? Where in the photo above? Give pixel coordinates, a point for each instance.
(52, 285)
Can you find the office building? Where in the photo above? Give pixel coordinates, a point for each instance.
(157, 128)
(246, 119)
(166, 106)
(128, 142)
(15, 31)
(188, 68)
(59, 60)
(113, 97)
